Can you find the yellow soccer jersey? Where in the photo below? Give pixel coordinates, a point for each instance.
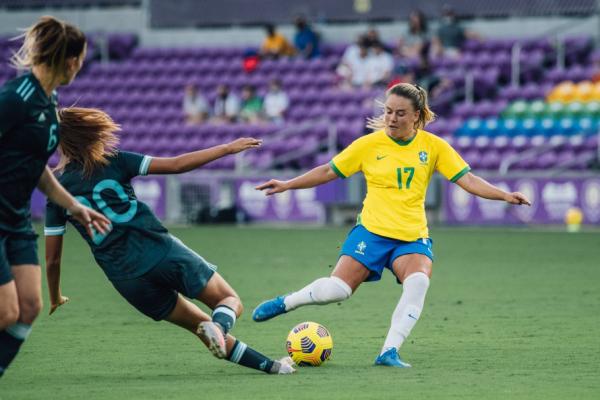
(397, 175)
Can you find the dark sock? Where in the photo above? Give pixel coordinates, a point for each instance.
(225, 317)
(11, 340)
(244, 355)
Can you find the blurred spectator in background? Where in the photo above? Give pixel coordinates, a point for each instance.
(380, 65)
(275, 44)
(425, 76)
(251, 107)
(306, 40)
(250, 61)
(450, 34)
(227, 105)
(371, 38)
(354, 68)
(352, 52)
(416, 36)
(195, 106)
(276, 102)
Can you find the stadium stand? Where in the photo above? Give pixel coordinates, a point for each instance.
(541, 115)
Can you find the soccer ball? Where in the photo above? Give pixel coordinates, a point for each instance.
(309, 344)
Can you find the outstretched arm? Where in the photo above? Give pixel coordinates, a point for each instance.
(315, 177)
(482, 188)
(53, 257)
(189, 161)
(84, 215)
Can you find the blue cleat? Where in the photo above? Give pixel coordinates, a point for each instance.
(391, 359)
(269, 309)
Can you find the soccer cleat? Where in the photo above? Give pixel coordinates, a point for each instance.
(286, 366)
(269, 309)
(390, 358)
(213, 337)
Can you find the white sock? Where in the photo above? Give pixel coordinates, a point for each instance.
(408, 310)
(321, 291)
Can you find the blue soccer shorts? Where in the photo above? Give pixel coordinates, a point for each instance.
(377, 252)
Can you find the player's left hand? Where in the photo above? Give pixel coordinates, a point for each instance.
(242, 144)
(61, 301)
(517, 198)
(90, 219)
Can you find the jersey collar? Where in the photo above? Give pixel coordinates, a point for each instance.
(402, 142)
(39, 87)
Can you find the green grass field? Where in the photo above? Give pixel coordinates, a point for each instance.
(510, 314)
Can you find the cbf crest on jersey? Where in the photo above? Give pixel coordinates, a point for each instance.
(423, 157)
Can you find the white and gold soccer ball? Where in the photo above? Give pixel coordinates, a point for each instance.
(310, 344)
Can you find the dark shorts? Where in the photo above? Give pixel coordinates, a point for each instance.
(378, 252)
(155, 293)
(16, 250)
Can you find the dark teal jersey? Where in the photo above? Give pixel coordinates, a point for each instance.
(28, 137)
(137, 241)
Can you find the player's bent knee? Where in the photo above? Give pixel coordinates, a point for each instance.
(30, 309)
(233, 302)
(328, 290)
(9, 315)
(239, 309)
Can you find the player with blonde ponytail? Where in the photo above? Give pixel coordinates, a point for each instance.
(398, 160)
(52, 53)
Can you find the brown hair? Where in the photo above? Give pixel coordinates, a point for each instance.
(50, 42)
(87, 137)
(418, 97)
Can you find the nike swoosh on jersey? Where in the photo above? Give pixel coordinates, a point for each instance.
(381, 157)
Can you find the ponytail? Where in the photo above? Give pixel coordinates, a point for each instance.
(50, 42)
(425, 115)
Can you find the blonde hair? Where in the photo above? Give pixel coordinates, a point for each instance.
(50, 42)
(418, 97)
(87, 138)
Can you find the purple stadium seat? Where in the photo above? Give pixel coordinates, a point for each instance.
(532, 91)
(591, 143)
(525, 164)
(501, 143)
(566, 156)
(510, 93)
(473, 45)
(464, 110)
(519, 143)
(507, 153)
(577, 73)
(490, 159)
(584, 159)
(472, 157)
(481, 143)
(546, 160)
(486, 109)
(556, 75)
(462, 143)
(577, 49)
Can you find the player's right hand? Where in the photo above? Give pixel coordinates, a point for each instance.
(273, 186)
(90, 219)
(517, 198)
(62, 300)
(242, 144)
